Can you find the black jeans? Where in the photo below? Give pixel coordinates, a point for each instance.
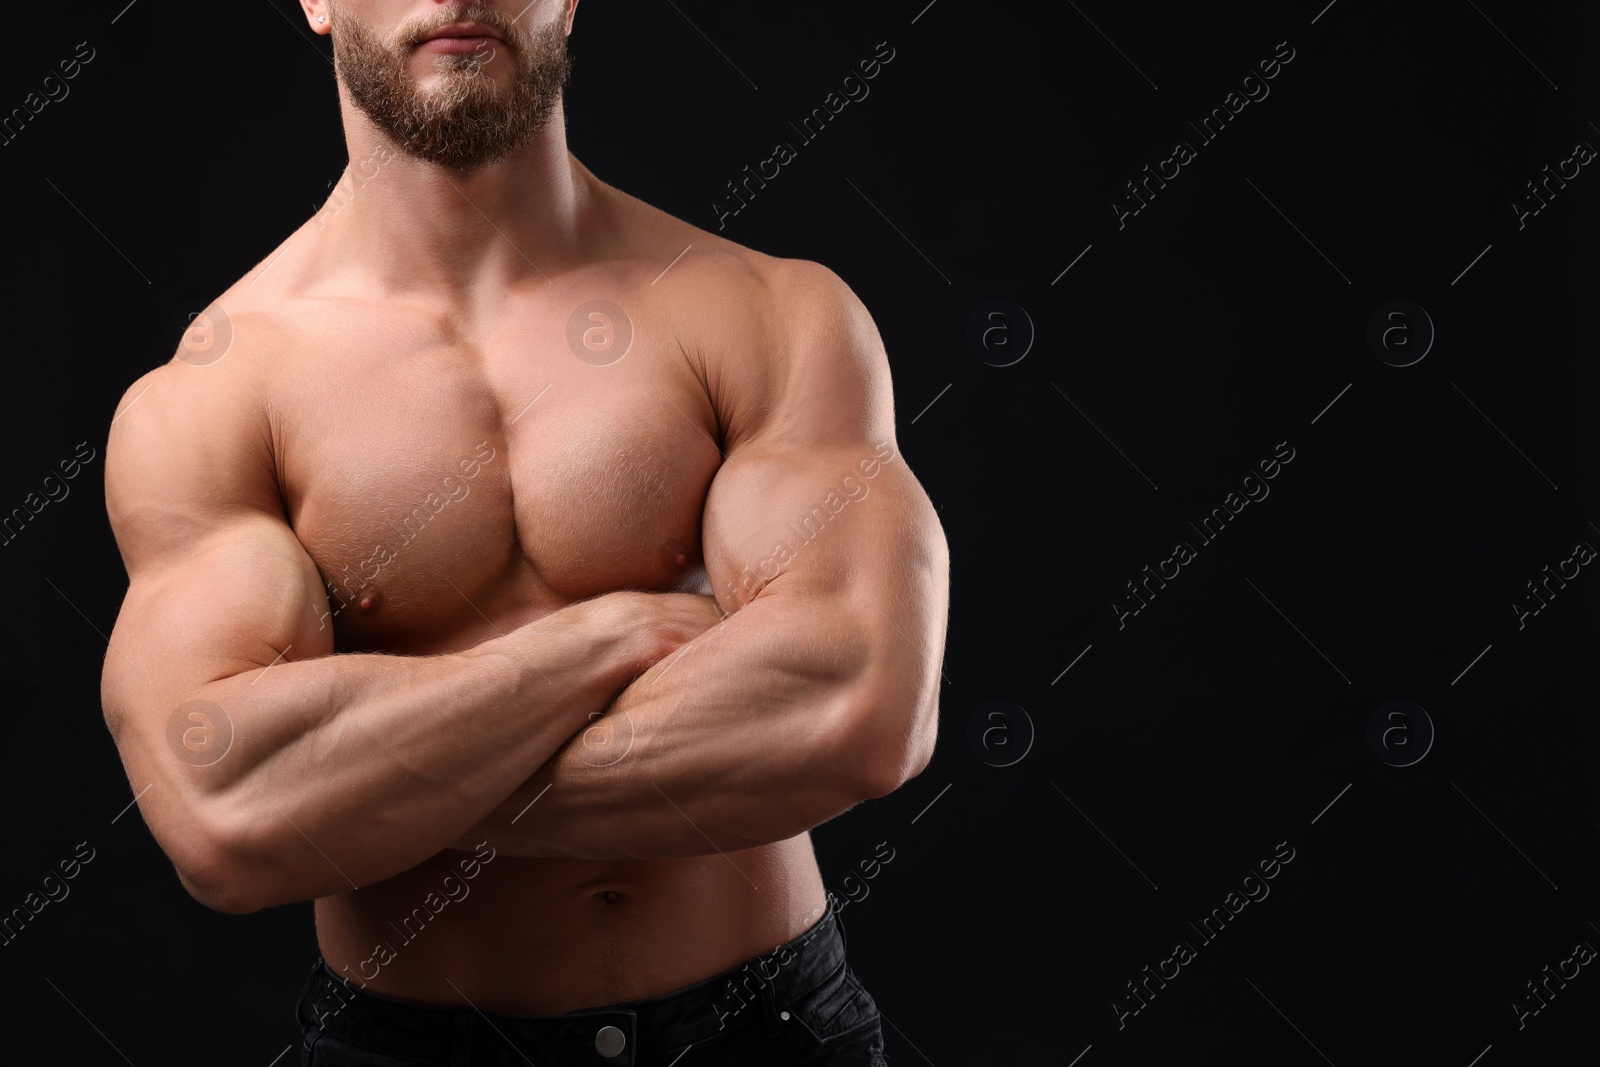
(799, 1005)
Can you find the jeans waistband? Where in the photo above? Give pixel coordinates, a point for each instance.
(750, 994)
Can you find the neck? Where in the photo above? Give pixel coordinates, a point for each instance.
(406, 224)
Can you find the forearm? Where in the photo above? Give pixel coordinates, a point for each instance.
(346, 769)
(750, 734)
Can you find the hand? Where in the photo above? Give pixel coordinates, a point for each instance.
(678, 618)
(661, 622)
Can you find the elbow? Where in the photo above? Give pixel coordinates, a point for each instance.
(224, 894)
(211, 867)
(890, 774)
(892, 743)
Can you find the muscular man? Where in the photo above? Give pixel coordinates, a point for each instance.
(520, 573)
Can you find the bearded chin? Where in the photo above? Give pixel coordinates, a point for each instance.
(467, 120)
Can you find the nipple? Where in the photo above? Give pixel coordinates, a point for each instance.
(368, 600)
(675, 554)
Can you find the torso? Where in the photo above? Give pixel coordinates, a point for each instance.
(453, 482)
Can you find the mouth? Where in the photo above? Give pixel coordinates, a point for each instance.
(461, 37)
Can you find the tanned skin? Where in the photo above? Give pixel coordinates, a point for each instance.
(404, 543)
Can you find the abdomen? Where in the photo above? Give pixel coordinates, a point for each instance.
(544, 937)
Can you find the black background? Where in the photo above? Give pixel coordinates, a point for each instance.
(1177, 352)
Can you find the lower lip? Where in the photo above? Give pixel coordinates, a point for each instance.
(460, 44)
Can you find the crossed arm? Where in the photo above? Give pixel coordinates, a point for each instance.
(819, 688)
(331, 771)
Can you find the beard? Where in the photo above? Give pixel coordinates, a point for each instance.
(467, 120)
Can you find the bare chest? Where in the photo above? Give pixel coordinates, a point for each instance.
(448, 488)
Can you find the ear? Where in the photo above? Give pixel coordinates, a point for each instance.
(317, 15)
(572, 10)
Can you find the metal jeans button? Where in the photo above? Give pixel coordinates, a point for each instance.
(609, 1041)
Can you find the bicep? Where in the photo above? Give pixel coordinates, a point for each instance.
(829, 521)
(244, 596)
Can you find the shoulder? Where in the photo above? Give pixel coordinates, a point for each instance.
(776, 342)
(776, 339)
(193, 438)
(716, 282)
